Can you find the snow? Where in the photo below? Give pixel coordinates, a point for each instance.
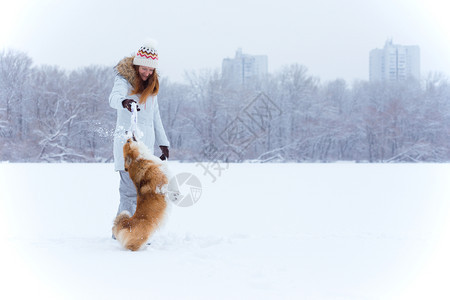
(259, 231)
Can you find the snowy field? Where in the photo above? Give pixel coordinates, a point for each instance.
(259, 231)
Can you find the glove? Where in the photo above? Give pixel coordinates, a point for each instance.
(127, 104)
(165, 152)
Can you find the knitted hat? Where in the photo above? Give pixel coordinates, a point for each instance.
(147, 55)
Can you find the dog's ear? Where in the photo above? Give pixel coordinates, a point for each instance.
(128, 161)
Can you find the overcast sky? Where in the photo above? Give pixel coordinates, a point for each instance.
(332, 38)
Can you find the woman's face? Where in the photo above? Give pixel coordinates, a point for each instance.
(145, 72)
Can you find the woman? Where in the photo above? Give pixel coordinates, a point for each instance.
(136, 81)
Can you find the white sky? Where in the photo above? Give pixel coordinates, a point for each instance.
(332, 38)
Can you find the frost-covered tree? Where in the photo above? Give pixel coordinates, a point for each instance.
(92, 131)
(174, 100)
(49, 114)
(14, 76)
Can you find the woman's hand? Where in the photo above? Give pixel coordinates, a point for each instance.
(127, 104)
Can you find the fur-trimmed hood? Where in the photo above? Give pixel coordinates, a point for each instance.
(125, 68)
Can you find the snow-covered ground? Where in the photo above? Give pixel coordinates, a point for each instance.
(259, 231)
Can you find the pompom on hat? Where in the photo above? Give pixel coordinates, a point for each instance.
(147, 55)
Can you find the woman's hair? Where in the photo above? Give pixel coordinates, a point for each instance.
(147, 88)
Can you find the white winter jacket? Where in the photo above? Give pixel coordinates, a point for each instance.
(149, 120)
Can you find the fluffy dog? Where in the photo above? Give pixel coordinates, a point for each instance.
(148, 175)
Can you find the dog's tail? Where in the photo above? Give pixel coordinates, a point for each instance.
(130, 232)
(133, 232)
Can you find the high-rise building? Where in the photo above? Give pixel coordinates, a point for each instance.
(244, 67)
(394, 63)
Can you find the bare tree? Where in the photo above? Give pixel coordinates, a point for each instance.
(48, 114)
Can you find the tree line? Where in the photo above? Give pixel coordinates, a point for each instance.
(48, 114)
